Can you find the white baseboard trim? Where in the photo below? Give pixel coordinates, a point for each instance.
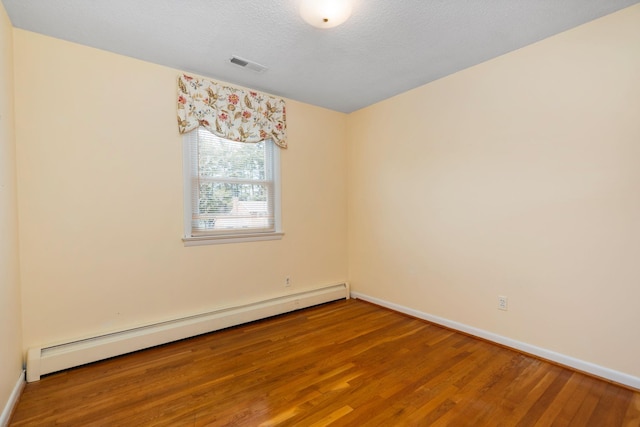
(13, 400)
(561, 359)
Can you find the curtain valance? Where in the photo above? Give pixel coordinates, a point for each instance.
(229, 112)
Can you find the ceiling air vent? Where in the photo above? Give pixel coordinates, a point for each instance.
(245, 63)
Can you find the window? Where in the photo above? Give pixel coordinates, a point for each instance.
(231, 189)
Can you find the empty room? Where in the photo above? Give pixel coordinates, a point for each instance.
(319, 212)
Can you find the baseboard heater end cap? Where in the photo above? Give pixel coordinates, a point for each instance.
(33, 364)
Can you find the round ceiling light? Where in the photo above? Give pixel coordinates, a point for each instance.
(325, 13)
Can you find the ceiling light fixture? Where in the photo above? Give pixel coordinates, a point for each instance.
(325, 13)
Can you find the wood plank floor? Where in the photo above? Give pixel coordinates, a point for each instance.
(343, 363)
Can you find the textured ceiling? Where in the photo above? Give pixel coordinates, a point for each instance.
(385, 48)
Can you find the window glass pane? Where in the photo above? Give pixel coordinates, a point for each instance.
(219, 158)
(227, 199)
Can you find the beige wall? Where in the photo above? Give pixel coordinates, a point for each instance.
(100, 173)
(516, 177)
(10, 318)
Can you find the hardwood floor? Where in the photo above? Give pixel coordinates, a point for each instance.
(343, 363)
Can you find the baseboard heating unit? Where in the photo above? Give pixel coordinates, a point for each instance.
(45, 360)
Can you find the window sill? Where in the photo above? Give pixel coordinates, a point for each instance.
(232, 238)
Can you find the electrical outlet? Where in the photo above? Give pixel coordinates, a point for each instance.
(502, 303)
(287, 282)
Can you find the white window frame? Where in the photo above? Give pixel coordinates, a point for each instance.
(213, 239)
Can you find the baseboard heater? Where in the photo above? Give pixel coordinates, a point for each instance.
(45, 360)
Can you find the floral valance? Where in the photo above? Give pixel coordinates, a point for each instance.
(229, 112)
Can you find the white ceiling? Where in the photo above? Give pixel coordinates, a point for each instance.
(385, 48)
